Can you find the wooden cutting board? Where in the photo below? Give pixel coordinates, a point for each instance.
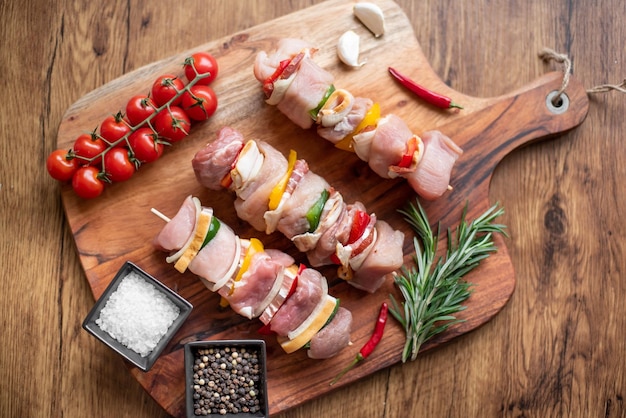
(118, 226)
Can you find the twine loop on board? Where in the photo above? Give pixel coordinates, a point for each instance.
(547, 54)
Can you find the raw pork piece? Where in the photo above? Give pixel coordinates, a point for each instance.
(280, 257)
(327, 245)
(386, 256)
(389, 144)
(305, 92)
(432, 176)
(177, 231)
(216, 258)
(312, 287)
(333, 338)
(214, 161)
(254, 285)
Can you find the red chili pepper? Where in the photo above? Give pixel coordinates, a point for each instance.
(371, 344)
(422, 92)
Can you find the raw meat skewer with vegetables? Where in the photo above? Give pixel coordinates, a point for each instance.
(305, 93)
(291, 301)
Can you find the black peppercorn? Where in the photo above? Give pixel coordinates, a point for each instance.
(226, 381)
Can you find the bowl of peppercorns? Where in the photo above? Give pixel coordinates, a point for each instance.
(226, 378)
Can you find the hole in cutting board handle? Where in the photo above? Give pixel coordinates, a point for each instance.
(560, 105)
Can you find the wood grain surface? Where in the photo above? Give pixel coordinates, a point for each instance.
(486, 130)
(554, 350)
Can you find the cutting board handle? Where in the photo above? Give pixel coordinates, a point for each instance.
(511, 121)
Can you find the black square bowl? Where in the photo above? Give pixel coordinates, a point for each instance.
(212, 368)
(143, 363)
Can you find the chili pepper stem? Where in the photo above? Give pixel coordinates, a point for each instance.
(349, 367)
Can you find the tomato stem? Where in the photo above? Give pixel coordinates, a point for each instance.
(147, 121)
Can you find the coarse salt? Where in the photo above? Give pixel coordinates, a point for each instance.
(137, 314)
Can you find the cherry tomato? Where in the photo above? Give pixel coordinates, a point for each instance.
(87, 183)
(165, 88)
(87, 147)
(139, 108)
(59, 166)
(200, 102)
(114, 128)
(145, 145)
(118, 165)
(172, 124)
(204, 63)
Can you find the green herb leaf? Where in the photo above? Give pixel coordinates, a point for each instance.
(433, 289)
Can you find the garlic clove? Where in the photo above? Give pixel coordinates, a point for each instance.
(371, 15)
(348, 49)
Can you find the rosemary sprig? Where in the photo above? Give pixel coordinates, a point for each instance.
(433, 289)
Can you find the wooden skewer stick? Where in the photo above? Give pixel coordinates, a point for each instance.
(160, 215)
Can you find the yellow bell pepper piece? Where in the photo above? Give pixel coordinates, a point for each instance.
(279, 189)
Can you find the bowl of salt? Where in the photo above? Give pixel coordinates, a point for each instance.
(137, 316)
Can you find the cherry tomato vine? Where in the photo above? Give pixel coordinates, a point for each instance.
(116, 149)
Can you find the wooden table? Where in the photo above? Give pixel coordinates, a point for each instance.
(557, 347)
